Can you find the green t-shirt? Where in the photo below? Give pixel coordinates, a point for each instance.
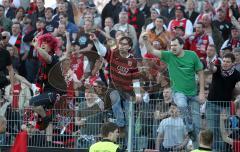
(182, 71)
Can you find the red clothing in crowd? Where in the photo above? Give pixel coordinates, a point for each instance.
(198, 43)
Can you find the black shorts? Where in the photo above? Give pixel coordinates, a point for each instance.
(46, 99)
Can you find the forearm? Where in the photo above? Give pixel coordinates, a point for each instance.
(23, 80)
(106, 35)
(68, 45)
(151, 50)
(11, 75)
(44, 55)
(224, 133)
(159, 140)
(88, 48)
(101, 49)
(25, 55)
(201, 81)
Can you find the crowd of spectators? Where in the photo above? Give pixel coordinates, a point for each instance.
(66, 70)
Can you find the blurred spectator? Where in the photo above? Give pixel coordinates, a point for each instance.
(223, 25)
(180, 21)
(212, 56)
(108, 30)
(79, 11)
(5, 69)
(17, 41)
(5, 23)
(205, 141)
(199, 42)
(14, 56)
(162, 108)
(5, 36)
(19, 14)
(9, 10)
(3, 127)
(224, 79)
(62, 8)
(234, 140)
(190, 10)
(158, 34)
(179, 32)
(172, 133)
(40, 12)
(212, 30)
(70, 27)
(19, 96)
(50, 23)
(207, 9)
(236, 52)
(169, 11)
(144, 8)
(126, 28)
(32, 63)
(233, 41)
(135, 17)
(235, 8)
(92, 9)
(149, 23)
(68, 9)
(112, 9)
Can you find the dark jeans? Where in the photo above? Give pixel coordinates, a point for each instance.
(46, 99)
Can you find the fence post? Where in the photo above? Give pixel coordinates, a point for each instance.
(130, 125)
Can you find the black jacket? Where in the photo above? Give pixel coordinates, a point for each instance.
(111, 11)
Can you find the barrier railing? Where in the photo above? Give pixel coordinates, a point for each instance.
(76, 125)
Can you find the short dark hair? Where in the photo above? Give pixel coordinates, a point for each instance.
(231, 56)
(49, 8)
(201, 23)
(180, 40)
(64, 15)
(206, 137)
(129, 40)
(108, 128)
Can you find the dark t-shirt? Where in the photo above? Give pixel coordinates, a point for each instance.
(222, 87)
(43, 74)
(224, 27)
(50, 26)
(5, 60)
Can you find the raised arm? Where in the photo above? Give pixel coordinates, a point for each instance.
(145, 40)
(42, 52)
(101, 49)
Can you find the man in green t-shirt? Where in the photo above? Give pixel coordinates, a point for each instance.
(183, 66)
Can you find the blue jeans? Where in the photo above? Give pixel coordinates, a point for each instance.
(119, 107)
(213, 122)
(190, 112)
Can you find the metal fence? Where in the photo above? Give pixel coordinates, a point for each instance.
(76, 125)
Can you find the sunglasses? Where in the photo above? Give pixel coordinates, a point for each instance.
(3, 37)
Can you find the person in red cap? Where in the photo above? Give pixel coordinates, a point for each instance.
(180, 20)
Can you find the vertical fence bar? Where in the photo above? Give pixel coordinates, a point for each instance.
(130, 125)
